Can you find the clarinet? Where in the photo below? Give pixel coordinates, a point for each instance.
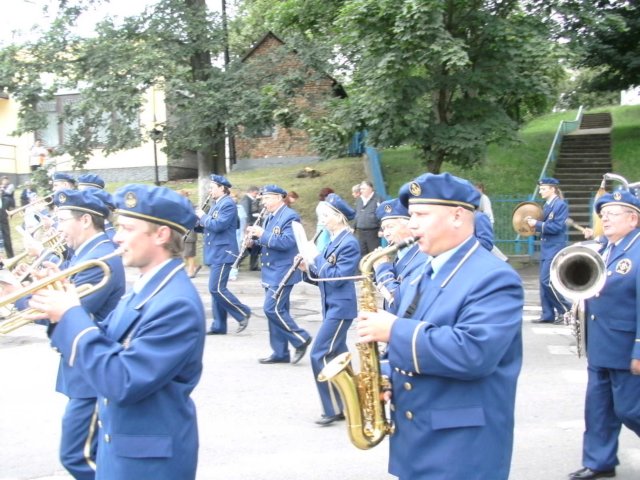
(296, 263)
(204, 207)
(245, 240)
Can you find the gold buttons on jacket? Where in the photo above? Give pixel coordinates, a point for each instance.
(107, 438)
(409, 415)
(407, 386)
(105, 401)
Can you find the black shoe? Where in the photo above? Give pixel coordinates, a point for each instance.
(586, 473)
(242, 324)
(300, 351)
(273, 359)
(325, 420)
(542, 320)
(214, 332)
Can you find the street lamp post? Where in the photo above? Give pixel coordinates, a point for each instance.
(156, 136)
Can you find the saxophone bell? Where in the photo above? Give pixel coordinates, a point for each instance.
(365, 412)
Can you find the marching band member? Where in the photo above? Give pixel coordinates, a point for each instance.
(455, 361)
(93, 181)
(90, 180)
(220, 252)
(81, 218)
(553, 238)
(63, 181)
(339, 303)
(81, 224)
(613, 340)
(146, 357)
(278, 249)
(391, 276)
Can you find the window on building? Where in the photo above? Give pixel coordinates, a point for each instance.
(58, 133)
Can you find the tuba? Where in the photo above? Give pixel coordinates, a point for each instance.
(578, 272)
(367, 422)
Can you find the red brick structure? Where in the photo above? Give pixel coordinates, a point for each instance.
(279, 144)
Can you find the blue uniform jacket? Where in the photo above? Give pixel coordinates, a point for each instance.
(483, 230)
(454, 368)
(391, 275)
(340, 259)
(553, 227)
(613, 316)
(99, 304)
(144, 369)
(220, 224)
(278, 247)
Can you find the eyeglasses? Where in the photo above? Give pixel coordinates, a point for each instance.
(611, 214)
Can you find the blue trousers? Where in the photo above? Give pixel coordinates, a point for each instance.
(79, 439)
(223, 302)
(551, 301)
(612, 401)
(283, 330)
(330, 342)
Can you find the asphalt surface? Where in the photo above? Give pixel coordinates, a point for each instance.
(257, 421)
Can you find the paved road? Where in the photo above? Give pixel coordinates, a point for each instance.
(256, 421)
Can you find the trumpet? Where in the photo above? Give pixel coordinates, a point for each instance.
(21, 318)
(42, 202)
(245, 240)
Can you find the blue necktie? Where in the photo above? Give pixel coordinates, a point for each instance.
(422, 288)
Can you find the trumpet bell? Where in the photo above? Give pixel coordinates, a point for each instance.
(521, 213)
(578, 272)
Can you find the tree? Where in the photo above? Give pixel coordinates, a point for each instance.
(173, 46)
(447, 76)
(604, 35)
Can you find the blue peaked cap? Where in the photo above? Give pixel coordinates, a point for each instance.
(82, 201)
(391, 209)
(157, 205)
(619, 197)
(549, 181)
(63, 177)
(220, 180)
(440, 189)
(339, 205)
(274, 189)
(90, 180)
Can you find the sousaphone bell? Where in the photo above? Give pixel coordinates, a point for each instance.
(521, 214)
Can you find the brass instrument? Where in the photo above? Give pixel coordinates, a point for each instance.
(21, 318)
(294, 266)
(40, 203)
(245, 240)
(521, 214)
(570, 222)
(367, 422)
(578, 272)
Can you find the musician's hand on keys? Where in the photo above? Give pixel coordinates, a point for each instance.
(199, 212)
(375, 326)
(54, 303)
(302, 265)
(255, 231)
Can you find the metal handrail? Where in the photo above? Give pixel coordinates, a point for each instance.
(566, 126)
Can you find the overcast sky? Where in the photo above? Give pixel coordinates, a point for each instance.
(20, 17)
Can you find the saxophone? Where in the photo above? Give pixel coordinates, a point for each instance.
(367, 422)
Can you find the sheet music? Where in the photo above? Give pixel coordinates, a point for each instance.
(307, 249)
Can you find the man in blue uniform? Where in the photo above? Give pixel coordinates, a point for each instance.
(81, 218)
(338, 259)
(455, 361)
(391, 276)
(81, 221)
(146, 357)
(613, 340)
(220, 251)
(553, 238)
(278, 249)
(96, 183)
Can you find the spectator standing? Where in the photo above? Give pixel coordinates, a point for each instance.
(8, 189)
(251, 206)
(190, 247)
(37, 156)
(366, 223)
(485, 202)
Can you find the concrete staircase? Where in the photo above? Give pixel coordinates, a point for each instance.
(585, 156)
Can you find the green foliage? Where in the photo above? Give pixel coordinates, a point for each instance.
(448, 77)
